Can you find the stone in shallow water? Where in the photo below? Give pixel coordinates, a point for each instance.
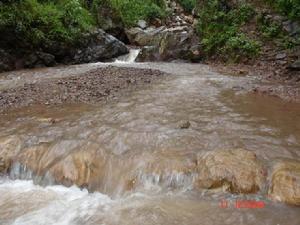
(184, 124)
(285, 182)
(238, 169)
(9, 148)
(83, 168)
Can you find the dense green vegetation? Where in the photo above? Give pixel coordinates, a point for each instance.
(272, 31)
(219, 29)
(188, 5)
(268, 28)
(39, 22)
(130, 11)
(289, 8)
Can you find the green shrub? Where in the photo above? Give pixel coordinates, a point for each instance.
(268, 28)
(188, 5)
(130, 11)
(272, 31)
(290, 8)
(35, 22)
(219, 29)
(240, 45)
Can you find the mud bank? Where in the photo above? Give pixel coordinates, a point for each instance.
(90, 87)
(273, 80)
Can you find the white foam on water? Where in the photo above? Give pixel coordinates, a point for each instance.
(129, 58)
(50, 205)
(23, 203)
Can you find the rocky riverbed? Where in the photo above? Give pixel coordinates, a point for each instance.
(90, 87)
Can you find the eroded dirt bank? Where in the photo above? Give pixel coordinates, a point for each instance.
(274, 80)
(93, 86)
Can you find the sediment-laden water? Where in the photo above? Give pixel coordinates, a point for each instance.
(136, 159)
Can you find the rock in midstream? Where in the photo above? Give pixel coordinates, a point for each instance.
(285, 182)
(9, 148)
(238, 169)
(87, 165)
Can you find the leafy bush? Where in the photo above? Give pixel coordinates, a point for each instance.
(188, 5)
(268, 28)
(34, 22)
(272, 31)
(219, 29)
(130, 11)
(290, 8)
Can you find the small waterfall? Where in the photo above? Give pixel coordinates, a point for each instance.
(174, 180)
(130, 57)
(19, 171)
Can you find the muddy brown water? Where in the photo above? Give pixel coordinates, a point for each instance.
(139, 137)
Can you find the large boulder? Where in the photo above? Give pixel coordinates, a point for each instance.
(67, 162)
(285, 182)
(94, 46)
(147, 37)
(180, 43)
(148, 53)
(110, 21)
(97, 46)
(38, 59)
(83, 168)
(166, 44)
(238, 170)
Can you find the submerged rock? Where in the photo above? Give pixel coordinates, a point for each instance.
(85, 164)
(285, 182)
(184, 124)
(238, 169)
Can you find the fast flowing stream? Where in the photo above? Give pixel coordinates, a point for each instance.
(138, 156)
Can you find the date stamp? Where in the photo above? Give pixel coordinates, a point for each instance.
(242, 204)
